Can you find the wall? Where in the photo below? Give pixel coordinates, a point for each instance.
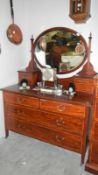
(33, 17)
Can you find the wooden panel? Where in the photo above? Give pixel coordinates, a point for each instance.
(94, 158)
(96, 92)
(21, 99)
(31, 77)
(63, 123)
(96, 109)
(63, 140)
(95, 148)
(95, 130)
(84, 85)
(62, 108)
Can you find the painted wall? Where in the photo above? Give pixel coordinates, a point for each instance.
(33, 17)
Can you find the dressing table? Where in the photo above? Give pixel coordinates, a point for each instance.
(57, 119)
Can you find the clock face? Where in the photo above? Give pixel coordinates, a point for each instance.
(77, 6)
(49, 74)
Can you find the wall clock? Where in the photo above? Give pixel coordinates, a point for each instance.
(80, 10)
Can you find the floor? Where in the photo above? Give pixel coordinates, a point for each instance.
(21, 155)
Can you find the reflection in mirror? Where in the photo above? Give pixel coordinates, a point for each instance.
(60, 48)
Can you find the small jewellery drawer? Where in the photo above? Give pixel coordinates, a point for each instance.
(61, 139)
(63, 123)
(84, 85)
(21, 99)
(62, 108)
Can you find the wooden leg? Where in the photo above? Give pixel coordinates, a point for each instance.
(6, 133)
(82, 159)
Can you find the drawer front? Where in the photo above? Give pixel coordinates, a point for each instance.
(95, 130)
(62, 108)
(32, 78)
(57, 122)
(84, 85)
(21, 100)
(71, 142)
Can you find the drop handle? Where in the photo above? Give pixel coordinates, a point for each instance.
(20, 100)
(20, 112)
(59, 138)
(60, 122)
(61, 108)
(20, 126)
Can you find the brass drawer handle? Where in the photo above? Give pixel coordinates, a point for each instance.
(59, 138)
(61, 108)
(20, 112)
(20, 126)
(60, 122)
(20, 100)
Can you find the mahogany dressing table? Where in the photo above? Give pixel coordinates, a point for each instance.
(60, 120)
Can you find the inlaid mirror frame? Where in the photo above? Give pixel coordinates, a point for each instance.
(62, 30)
(69, 31)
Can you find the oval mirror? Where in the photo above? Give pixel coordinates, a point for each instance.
(61, 48)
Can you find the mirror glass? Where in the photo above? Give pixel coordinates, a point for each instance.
(60, 48)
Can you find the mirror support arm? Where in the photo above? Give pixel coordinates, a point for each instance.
(88, 69)
(32, 65)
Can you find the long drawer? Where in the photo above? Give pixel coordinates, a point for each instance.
(13, 98)
(49, 120)
(64, 140)
(62, 108)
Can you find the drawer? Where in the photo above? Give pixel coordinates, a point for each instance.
(95, 130)
(31, 77)
(21, 100)
(47, 119)
(62, 108)
(84, 85)
(71, 142)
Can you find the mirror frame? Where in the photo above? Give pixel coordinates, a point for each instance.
(66, 30)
